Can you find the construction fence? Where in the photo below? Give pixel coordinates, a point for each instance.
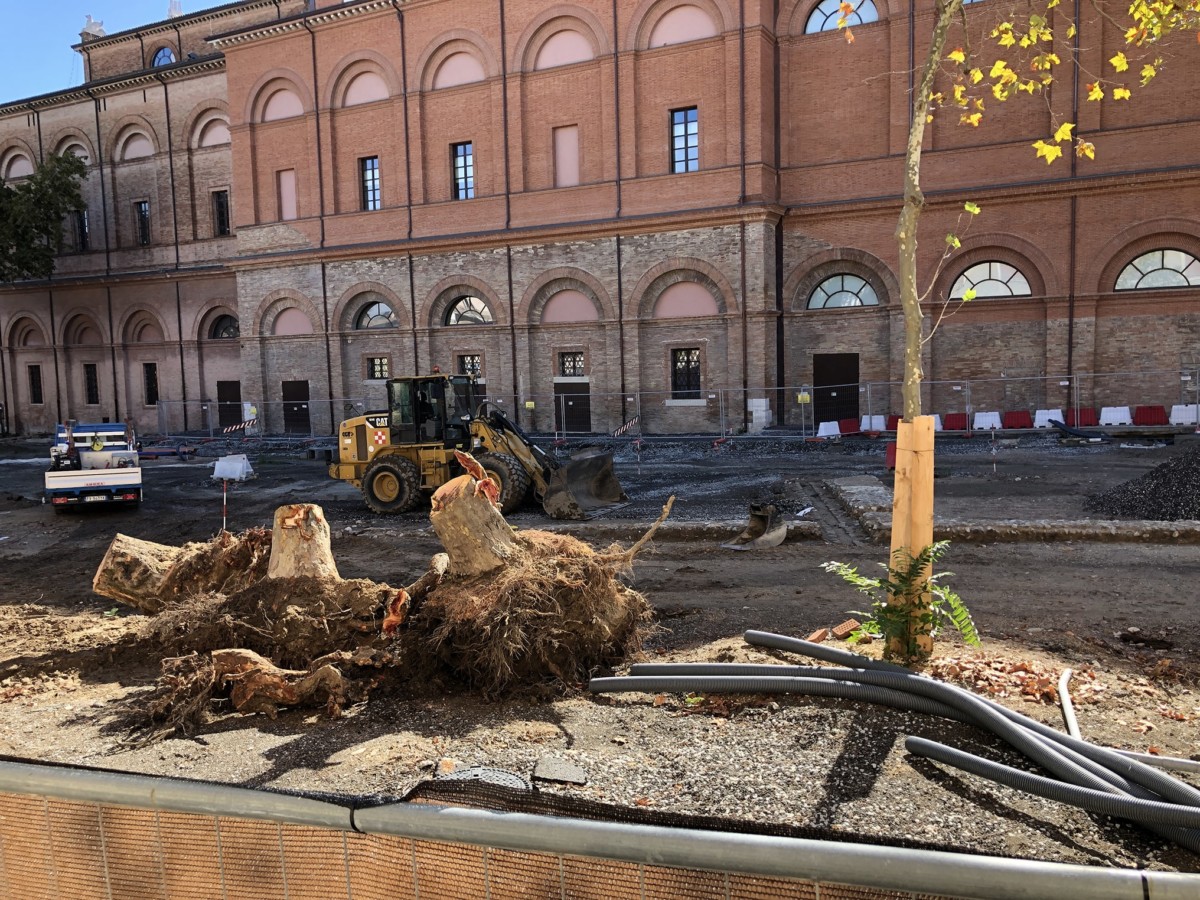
(797, 409)
(68, 833)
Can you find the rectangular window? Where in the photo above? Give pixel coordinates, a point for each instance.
(685, 374)
(368, 177)
(570, 365)
(470, 364)
(35, 385)
(91, 384)
(83, 238)
(286, 183)
(685, 140)
(566, 156)
(377, 367)
(220, 213)
(462, 158)
(141, 222)
(150, 383)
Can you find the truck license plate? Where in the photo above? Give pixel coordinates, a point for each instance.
(94, 498)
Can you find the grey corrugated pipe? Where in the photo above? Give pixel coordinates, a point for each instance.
(769, 684)
(1132, 770)
(1146, 812)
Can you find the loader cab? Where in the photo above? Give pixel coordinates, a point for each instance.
(434, 410)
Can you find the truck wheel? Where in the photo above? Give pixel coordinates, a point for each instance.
(392, 485)
(510, 475)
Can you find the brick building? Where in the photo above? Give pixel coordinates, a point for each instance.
(675, 209)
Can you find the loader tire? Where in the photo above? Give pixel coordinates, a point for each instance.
(511, 476)
(392, 485)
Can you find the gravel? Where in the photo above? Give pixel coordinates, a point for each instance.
(1168, 493)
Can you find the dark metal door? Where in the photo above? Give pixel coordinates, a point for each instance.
(229, 403)
(573, 407)
(835, 386)
(295, 408)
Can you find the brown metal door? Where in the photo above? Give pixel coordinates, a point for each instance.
(295, 408)
(835, 386)
(229, 403)
(573, 407)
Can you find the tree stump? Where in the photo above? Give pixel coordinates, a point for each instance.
(133, 570)
(300, 544)
(471, 527)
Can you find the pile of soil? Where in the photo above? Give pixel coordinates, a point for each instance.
(1168, 493)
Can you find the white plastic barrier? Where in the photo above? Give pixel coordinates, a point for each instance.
(1185, 415)
(937, 422)
(1041, 418)
(1115, 415)
(232, 468)
(986, 420)
(828, 429)
(873, 423)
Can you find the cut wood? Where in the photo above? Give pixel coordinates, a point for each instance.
(258, 685)
(470, 525)
(300, 543)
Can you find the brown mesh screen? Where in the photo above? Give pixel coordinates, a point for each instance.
(61, 850)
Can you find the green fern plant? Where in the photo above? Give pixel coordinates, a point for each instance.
(894, 621)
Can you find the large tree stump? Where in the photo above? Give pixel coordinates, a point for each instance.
(260, 686)
(148, 576)
(300, 544)
(470, 526)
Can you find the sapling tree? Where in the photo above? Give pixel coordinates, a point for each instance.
(1022, 54)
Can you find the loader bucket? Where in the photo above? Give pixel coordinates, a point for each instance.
(766, 529)
(584, 487)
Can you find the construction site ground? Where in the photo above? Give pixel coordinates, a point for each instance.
(1050, 586)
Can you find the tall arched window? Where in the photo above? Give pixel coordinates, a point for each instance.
(164, 57)
(827, 13)
(1160, 269)
(991, 279)
(225, 328)
(468, 310)
(840, 291)
(375, 315)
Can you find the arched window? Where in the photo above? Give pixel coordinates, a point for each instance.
(563, 48)
(136, 146)
(164, 57)
(17, 166)
(366, 87)
(682, 24)
(991, 279)
(458, 68)
(214, 133)
(569, 306)
(282, 104)
(685, 299)
(1160, 269)
(827, 13)
(468, 310)
(375, 315)
(839, 291)
(225, 328)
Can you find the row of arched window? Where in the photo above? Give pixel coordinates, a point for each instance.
(1154, 270)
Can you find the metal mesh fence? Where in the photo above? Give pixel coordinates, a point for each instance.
(59, 850)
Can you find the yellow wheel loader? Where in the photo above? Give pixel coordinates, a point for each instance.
(398, 456)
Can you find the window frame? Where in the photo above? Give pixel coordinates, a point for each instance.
(370, 190)
(33, 379)
(222, 220)
(83, 231)
(682, 389)
(91, 384)
(458, 301)
(374, 372)
(142, 232)
(579, 366)
(843, 289)
(1162, 267)
(362, 319)
(219, 321)
(685, 146)
(463, 367)
(150, 383)
(462, 170)
(158, 55)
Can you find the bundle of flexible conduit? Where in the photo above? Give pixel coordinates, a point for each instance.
(1092, 778)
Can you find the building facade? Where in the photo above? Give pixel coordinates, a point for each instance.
(679, 211)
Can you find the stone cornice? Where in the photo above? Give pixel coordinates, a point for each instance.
(297, 23)
(207, 15)
(190, 68)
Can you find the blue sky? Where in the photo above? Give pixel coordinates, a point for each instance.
(36, 38)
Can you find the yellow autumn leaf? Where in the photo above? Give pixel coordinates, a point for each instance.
(1064, 132)
(1007, 39)
(969, 295)
(846, 8)
(999, 67)
(960, 95)
(1148, 72)
(1119, 62)
(971, 207)
(1048, 152)
(1095, 92)
(957, 55)
(1071, 31)
(1085, 148)
(971, 119)
(976, 76)
(1122, 93)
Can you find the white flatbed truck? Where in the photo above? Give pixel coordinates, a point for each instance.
(92, 464)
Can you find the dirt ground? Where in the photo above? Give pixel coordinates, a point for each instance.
(71, 658)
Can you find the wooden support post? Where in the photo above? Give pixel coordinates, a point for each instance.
(912, 521)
